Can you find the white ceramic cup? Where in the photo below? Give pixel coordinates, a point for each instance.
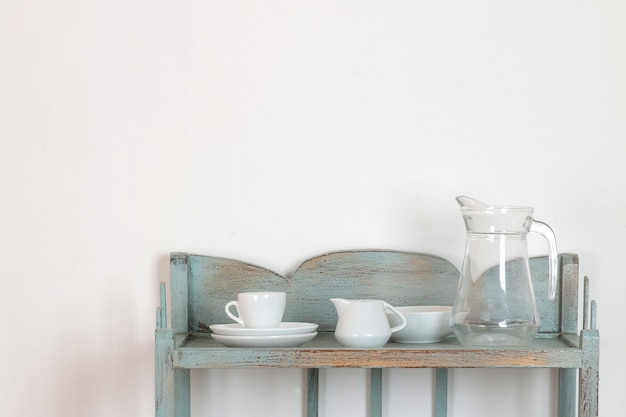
(258, 310)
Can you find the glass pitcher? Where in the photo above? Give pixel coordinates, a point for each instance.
(495, 301)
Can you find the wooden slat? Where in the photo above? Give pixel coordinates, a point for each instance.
(313, 380)
(162, 310)
(441, 392)
(589, 374)
(568, 377)
(586, 303)
(592, 319)
(567, 392)
(376, 392)
(569, 292)
(172, 384)
(164, 374)
(179, 292)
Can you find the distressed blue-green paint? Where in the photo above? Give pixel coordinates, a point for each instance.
(312, 389)
(212, 282)
(200, 286)
(567, 392)
(200, 351)
(179, 291)
(401, 278)
(568, 377)
(590, 348)
(586, 303)
(589, 373)
(568, 292)
(376, 392)
(441, 392)
(162, 310)
(594, 311)
(172, 388)
(172, 384)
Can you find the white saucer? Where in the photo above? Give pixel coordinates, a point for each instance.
(236, 329)
(288, 340)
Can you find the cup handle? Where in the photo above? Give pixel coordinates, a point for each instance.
(402, 325)
(231, 315)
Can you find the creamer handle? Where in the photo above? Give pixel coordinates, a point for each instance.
(402, 325)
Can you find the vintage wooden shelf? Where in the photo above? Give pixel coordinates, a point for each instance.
(201, 286)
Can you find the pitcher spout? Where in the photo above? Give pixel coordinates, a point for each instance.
(470, 203)
(340, 304)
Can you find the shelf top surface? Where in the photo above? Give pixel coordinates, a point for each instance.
(327, 341)
(201, 351)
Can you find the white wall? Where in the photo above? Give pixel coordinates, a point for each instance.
(274, 131)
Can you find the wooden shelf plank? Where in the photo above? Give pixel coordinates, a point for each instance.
(200, 351)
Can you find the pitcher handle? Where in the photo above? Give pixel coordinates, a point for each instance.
(402, 325)
(553, 256)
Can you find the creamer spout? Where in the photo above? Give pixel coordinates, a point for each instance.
(341, 305)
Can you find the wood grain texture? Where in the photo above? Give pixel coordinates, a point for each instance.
(172, 383)
(568, 292)
(213, 282)
(200, 351)
(567, 392)
(202, 285)
(397, 277)
(179, 278)
(589, 373)
(312, 390)
(441, 392)
(376, 392)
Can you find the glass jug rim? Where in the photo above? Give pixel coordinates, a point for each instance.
(493, 209)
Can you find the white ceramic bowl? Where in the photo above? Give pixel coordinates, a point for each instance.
(425, 324)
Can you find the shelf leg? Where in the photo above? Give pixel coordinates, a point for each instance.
(441, 392)
(589, 373)
(172, 385)
(312, 389)
(376, 392)
(567, 392)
